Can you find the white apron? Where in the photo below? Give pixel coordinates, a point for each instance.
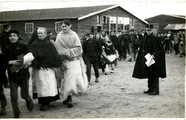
(44, 82)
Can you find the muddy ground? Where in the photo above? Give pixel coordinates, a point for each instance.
(118, 95)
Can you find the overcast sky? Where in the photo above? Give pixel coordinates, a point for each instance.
(140, 8)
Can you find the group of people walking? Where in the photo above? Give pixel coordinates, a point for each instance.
(48, 61)
(174, 41)
(103, 50)
(65, 63)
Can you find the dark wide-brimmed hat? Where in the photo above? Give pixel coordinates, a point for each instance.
(13, 31)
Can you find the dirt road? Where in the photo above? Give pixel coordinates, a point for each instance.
(118, 95)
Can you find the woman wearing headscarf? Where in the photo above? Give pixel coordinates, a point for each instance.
(44, 65)
(69, 48)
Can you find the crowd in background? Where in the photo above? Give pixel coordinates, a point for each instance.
(173, 41)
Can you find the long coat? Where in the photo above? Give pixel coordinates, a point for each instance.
(153, 46)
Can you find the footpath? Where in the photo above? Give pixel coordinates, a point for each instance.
(118, 95)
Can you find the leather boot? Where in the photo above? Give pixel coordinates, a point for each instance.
(70, 104)
(65, 102)
(148, 91)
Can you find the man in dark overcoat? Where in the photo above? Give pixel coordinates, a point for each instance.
(154, 47)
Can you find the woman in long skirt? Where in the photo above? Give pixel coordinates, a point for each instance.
(45, 62)
(69, 47)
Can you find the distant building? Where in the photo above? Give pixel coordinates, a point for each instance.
(84, 19)
(163, 23)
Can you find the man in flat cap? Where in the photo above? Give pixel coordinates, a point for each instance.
(17, 72)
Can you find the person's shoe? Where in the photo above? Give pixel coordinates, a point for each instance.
(89, 83)
(43, 107)
(30, 105)
(16, 116)
(147, 92)
(65, 102)
(106, 73)
(154, 93)
(3, 111)
(112, 70)
(69, 98)
(130, 60)
(70, 104)
(97, 80)
(116, 63)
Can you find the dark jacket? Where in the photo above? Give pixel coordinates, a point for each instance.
(94, 51)
(11, 53)
(4, 41)
(124, 40)
(153, 46)
(45, 54)
(132, 38)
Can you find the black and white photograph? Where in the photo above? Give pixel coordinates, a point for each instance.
(101, 59)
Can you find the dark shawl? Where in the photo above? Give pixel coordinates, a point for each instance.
(45, 54)
(153, 46)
